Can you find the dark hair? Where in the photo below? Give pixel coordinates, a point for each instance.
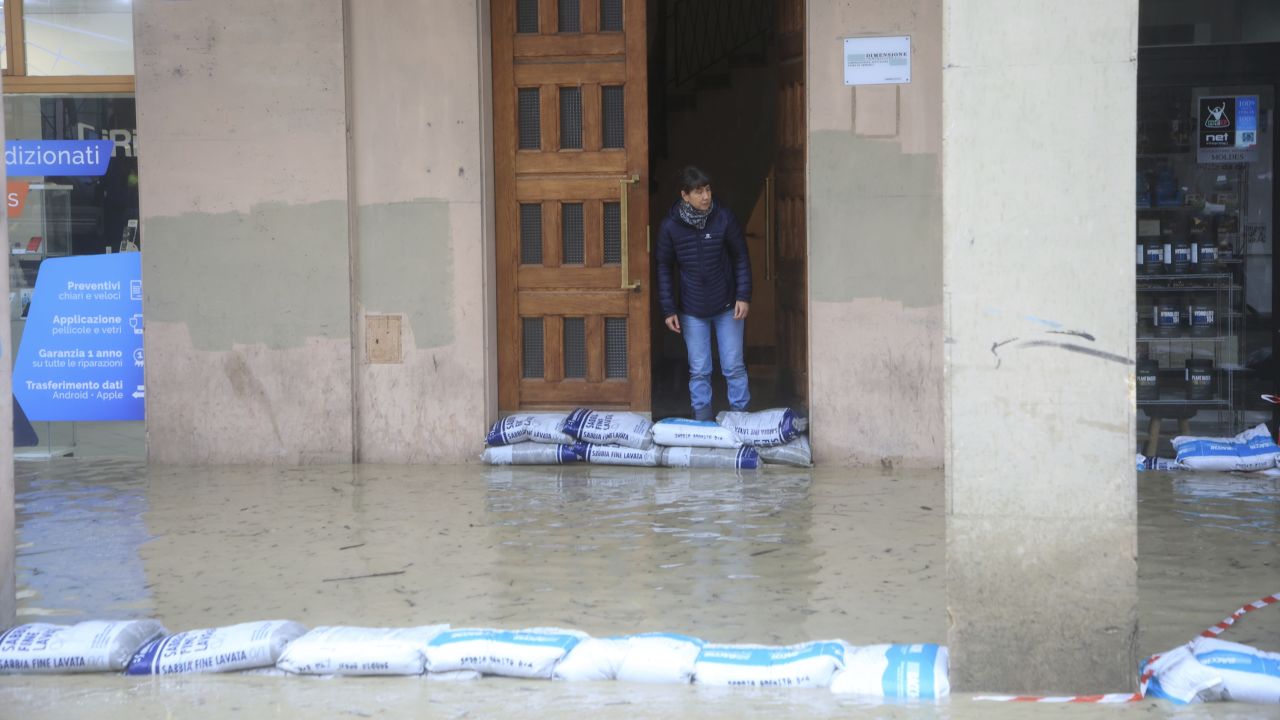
(691, 178)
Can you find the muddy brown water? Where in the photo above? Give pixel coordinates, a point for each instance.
(777, 556)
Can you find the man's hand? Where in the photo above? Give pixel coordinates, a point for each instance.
(673, 322)
(740, 310)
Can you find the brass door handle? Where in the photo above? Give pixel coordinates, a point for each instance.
(623, 186)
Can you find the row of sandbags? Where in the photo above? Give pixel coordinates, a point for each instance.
(1207, 669)
(143, 647)
(736, 440)
(1254, 450)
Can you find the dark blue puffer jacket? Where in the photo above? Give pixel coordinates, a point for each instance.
(713, 264)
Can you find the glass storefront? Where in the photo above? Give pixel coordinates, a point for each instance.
(73, 192)
(1205, 216)
(78, 37)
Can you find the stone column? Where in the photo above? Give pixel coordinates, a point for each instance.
(1038, 148)
(8, 588)
(246, 251)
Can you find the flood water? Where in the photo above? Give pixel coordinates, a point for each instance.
(778, 556)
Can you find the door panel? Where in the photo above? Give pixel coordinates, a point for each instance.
(571, 173)
(791, 276)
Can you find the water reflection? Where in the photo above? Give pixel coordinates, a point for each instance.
(717, 554)
(77, 544)
(777, 556)
(1207, 544)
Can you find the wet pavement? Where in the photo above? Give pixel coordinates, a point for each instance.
(777, 556)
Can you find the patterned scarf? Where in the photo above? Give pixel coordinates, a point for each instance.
(694, 216)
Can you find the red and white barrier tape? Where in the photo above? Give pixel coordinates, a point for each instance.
(1218, 629)
(1143, 681)
(1103, 699)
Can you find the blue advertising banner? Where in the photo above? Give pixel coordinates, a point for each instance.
(57, 157)
(81, 353)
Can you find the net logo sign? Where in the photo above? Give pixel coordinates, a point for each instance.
(81, 355)
(1228, 129)
(25, 158)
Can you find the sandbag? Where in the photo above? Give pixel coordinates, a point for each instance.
(531, 653)
(796, 453)
(806, 665)
(223, 649)
(529, 453)
(762, 429)
(618, 455)
(610, 428)
(743, 458)
(348, 650)
(592, 659)
(1179, 677)
(529, 427)
(1248, 674)
(899, 672)
(659, 658)
(1251, 450)
(1157, 463)
(90, 646)
(680, 432)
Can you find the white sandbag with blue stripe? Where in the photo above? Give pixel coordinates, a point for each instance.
(627, 429)
(348, 650)
(766, 428)
(808, 664)
(619, 455)
(659, 658)
(1248, 674)
(90, 646)
(682, 432)
(529, 453)
(531, 653)
(1177, 676)
(743, 458)
(593, 659)
(529, 427)
(1251, 450)
(222, 649)
(796, 453)
(896, 672)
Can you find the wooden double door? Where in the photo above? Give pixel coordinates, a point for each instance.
(571, 160)
(571, 175)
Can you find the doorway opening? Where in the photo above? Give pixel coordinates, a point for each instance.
(726, 94)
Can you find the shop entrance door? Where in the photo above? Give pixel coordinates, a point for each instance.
(571, 189)
(791, 277)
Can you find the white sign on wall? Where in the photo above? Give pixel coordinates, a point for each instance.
(877, 60)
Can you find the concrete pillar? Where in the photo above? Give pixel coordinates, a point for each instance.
(8, 550)
(875, 241)
(423, 191)
(1038, 145)
(244, 206)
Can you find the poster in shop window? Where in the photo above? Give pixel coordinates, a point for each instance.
(1228, 129)
(81, 356)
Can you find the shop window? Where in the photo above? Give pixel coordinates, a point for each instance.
(67, 46)
(71, 134)
(78, 37)
(1222, 22)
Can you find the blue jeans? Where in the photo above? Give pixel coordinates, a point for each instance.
(697, 338)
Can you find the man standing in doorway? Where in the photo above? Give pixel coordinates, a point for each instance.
(704, 243)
